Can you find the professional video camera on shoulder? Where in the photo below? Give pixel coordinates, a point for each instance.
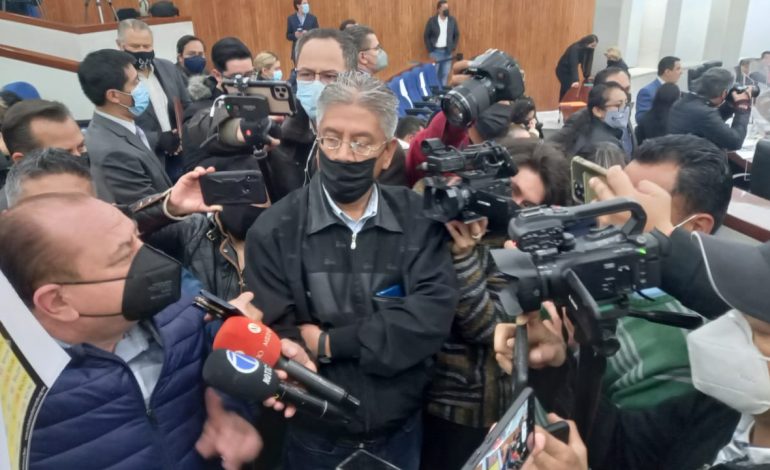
(484, 187)
(495, 76)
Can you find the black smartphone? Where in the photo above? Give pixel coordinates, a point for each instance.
(509, 444)
(216, 306)
(363, 460)
(234, 187)
(559, 430)
(250, 108)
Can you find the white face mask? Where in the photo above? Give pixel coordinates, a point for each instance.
(726, 364)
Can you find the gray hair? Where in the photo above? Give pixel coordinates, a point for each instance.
(39, 163)
(131, 23)
(366, 91)
(713, 82)
(349, 51)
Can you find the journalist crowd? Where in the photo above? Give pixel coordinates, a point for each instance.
(413, 278)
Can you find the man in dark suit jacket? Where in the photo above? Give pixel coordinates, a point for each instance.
(299, 23)
(441, 37)
(669, 71)
(123, 165)
(167, 92)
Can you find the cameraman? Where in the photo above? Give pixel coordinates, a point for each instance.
(703, 113)
(468, 393)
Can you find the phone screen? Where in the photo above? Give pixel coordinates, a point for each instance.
(510, 447)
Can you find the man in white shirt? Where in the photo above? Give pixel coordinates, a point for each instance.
(441, 37)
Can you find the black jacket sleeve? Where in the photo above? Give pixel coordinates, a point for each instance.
(427, 36)
(455, 34)
(685, 278)
(289, 30)
(413, 329)
(724, 136)
(573, 61)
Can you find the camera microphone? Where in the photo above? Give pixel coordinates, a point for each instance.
(259, 341)
(248, 378)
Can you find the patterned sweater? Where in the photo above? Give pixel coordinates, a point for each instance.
(468, 387)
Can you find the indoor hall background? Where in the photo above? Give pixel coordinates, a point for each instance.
(534, 32)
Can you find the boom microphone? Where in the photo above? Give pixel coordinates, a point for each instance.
(259, 341)
(249, 379)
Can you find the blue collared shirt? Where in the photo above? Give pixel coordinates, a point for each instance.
(355, 226)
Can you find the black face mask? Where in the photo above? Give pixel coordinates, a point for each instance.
(143, 59)
(154, 282)
(445, 13)
(346, 181)
(237, 219)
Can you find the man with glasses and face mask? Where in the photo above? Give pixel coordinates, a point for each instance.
(372, 58)
(123, 312)
(357, 272)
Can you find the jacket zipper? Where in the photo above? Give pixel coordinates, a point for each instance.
(353, 241)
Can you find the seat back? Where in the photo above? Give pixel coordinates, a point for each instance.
(760, 170)
(395, 84)
(429, 74)
(412, 84)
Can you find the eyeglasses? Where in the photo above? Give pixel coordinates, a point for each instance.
(359, 149)
(326, 77)
(378, 47)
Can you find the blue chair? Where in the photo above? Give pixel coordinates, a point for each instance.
(429, 77)
(403, 101)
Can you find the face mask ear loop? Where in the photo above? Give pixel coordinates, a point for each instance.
(307, 163)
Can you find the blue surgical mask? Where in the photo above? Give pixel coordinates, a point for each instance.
(141, 96)
(195, 64)
(305, 8)
(618, 119)
(278, 75)
(308, 94)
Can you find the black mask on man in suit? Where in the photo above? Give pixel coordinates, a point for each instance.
(143, 59)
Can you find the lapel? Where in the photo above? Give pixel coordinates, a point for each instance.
(115, 128)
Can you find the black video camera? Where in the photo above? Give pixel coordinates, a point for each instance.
(484, 187)
(495, 76)
(752, 90)
(604, 266)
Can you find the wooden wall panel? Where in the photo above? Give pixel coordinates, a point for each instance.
(535, 32)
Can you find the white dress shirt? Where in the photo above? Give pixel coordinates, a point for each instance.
(442, 26)
(158, 99)
(130, 125)
(740, 449)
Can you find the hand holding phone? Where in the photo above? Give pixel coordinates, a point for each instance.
(234, 187)
(582, 171)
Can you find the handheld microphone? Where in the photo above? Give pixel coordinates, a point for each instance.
(259, 341)
(249, 379)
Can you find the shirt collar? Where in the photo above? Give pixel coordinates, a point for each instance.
(321, 213)
(130, 125)
(660, 80)
(369, 212)
(740, 449)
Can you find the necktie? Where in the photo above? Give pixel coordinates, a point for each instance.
(143, 138)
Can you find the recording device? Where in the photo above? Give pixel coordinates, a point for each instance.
(484, 187)
(363, 460)
(234, 187)
(606, 265)
(509, 444)
(495, 76)
(249, 379)
(257, 340)
(216, 306)
(753, 92)
(269, 97)
(581, 172)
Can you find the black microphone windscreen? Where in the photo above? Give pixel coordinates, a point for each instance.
(240, 375)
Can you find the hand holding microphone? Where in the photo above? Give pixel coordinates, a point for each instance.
(259, 341)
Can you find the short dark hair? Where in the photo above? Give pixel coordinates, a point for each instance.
(440, 2)
(101, 71)
(408, 125)
(763, 54)
(30, 255)
(40, 163)
(521, 108)
(713, 82)
(297, 3)
(599, 94)
(16, 123)
(548, 161)
(603, 75)
(704, 180)
(359, 35)
(7, 99)
(346, 23)
(590, 39)
(227, 49)
(667, 63)
(185, 40)
(349, 50)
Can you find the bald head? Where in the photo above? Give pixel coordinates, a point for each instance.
(56, 237)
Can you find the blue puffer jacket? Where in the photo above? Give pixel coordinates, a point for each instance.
(94, 417)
